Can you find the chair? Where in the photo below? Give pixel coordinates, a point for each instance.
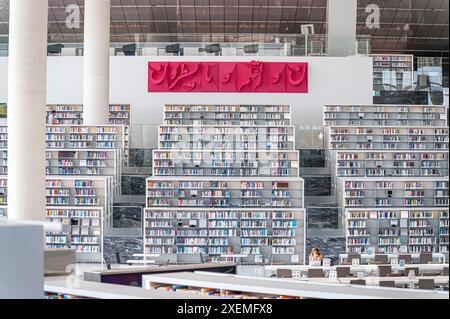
(387, 283)
(343, 272)
(384, 271)
(129, 49)
(253, 48)
(415, 269)
(284, 273)
(445, 271)
(381, 259)
(173, 48)
(315, 273)
(405, 257)
(55, 48)
(361, 282)
(425, 258)
(213, 48)
(426, 284)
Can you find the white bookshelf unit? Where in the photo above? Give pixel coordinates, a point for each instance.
(375, 163)
(395, 230)
(225, 182)
(83, 205)
(177, 233)
(229, 163)
(393, 192)
(82, 230)
(82, 138)
(390, 138)
(385, 115)
(3, 196)
(72, 114)
(392, 72)
(240, 115)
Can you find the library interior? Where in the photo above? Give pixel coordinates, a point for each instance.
(224, 149)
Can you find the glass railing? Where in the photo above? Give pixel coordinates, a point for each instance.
(215, 45)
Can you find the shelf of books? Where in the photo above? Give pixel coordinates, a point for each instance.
(394, 230)
(75, 162)
(82, 231)
(393, 192)
(72, 114)
(182, 191)
(217, 170)
(392, 71)
(181, 234)
(80, 137)
(219, 137)
(239, 115)
(388, 138)
(3, 196)
(225, 163)
(385, 115)
(375, 163)
(79, 204)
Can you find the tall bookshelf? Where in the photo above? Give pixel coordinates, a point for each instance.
(83, 205)
(226, 163)
(82, 231)
(72, 114)
(376, 163)
(178, 233)
(392, 71)
(393, 192)
(3, 196)
(385, 115)
(394, 230)
(218, 169)
(81, 137)
(390, 138)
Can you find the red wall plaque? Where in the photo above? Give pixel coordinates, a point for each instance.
(254, 76)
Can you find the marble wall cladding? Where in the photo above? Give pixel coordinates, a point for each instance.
(125, 246)
(127, 217)
(322, 217)
(331, 247)
(312, 158)
(317, 185)
(140, 157)
(133, 185)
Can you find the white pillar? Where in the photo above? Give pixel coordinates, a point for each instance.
(27, 82)
(96, 62)
(341, 27)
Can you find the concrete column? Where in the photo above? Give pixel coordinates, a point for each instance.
(27, 83)
(96, 61)
(341, 27)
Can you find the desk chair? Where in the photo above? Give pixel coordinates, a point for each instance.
(284, 273)
(343, 272)
(315, 273)
(425, 258)
(445, 271)
(381, 259)
(405, 257)
(384, 270)
(387, 283)
(415, 269)
(426, 284)
(361, 282)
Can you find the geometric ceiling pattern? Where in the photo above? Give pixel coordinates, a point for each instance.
(405, 25)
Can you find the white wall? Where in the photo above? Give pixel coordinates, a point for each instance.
(331, 80)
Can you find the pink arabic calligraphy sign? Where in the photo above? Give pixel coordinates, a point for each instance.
(254, 76)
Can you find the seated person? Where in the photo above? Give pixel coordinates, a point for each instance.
(316, 257)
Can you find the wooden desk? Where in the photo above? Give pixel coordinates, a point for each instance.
(376, 280)
(439, 256)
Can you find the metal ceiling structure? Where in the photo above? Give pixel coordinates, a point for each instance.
(416, 26)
